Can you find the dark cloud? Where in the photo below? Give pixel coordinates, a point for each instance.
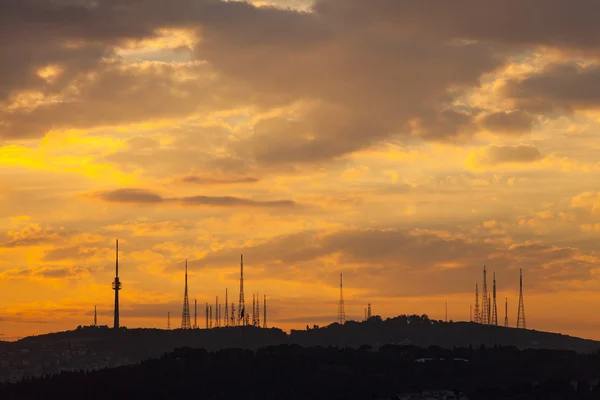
(513, 122)
(364, 70)
(33, 235)
(205, 180)
(511, 22)
(141, 196)
(130, 196)
(496, 155)
(560, 87)
(46, 272)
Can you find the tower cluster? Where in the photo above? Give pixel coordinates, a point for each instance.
(228, 319)
(487, 314)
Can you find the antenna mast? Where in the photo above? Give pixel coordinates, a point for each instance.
(506, 313)
(521, 315)
(116, 287)
(485, 315)
(185, 316)
(265, 312)
(226, 319)
(195, 315)
(241, 307)
(494, 307)
(341, 310)
(477, 316)
(95, 317)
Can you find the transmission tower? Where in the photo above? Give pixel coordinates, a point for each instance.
(506, 313)
(95, 317)
(116, 287)
(265, 312)
(232, 314)
(257, 309)
(254, 309)
(521, 315)
(494, 308)
(341, 310)
(207, 317)
(241, 306)
(210, 313)
(169, 320)
(485, 316)
(477, 315)
(226, 319)
(217, 312)
(195, 315)
(185, 316)
(369, 311)
(489, 304)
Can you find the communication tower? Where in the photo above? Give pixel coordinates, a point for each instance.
(521, 314)
(341, 310)
(185, 316)
(116, 287)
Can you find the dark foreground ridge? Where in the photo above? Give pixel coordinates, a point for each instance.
(94, 348)
(294, 372)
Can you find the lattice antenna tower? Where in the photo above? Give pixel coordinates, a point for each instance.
(369, 311)
(257, 309)
(241, 305)
(484, 300)
(254, 309)
(95, 317)
(341, 310)
(489, 304)
(265, 312)
(210, 314)
(169, 320)
(217, 312)
(185, 315)
(226, 319)
(494, 307)
(195, 315)
(116, 285)
(477, 316)
(521, 314)
(506, 313)
(232, 314)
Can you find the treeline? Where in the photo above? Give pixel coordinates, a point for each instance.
(294, 372)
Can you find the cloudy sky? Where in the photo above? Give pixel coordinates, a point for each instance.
(405, 143)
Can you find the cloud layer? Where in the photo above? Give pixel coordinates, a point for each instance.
(405, 143)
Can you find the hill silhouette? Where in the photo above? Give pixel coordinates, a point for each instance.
(95, 347)
(295, 372)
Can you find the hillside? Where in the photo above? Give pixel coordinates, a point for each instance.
(93, 348)
(294, 372)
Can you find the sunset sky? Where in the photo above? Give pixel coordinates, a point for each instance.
(405, 143)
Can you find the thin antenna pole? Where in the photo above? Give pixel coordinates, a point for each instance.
(506, 313)
(226, 319)
(521, 314)
(341, 310)
(185, 316)
(265, 312)
(195, 315)
(241, 308)
(168, 320)
(116, 285)
(95, 317)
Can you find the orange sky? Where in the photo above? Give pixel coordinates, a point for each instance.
(405, 144)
